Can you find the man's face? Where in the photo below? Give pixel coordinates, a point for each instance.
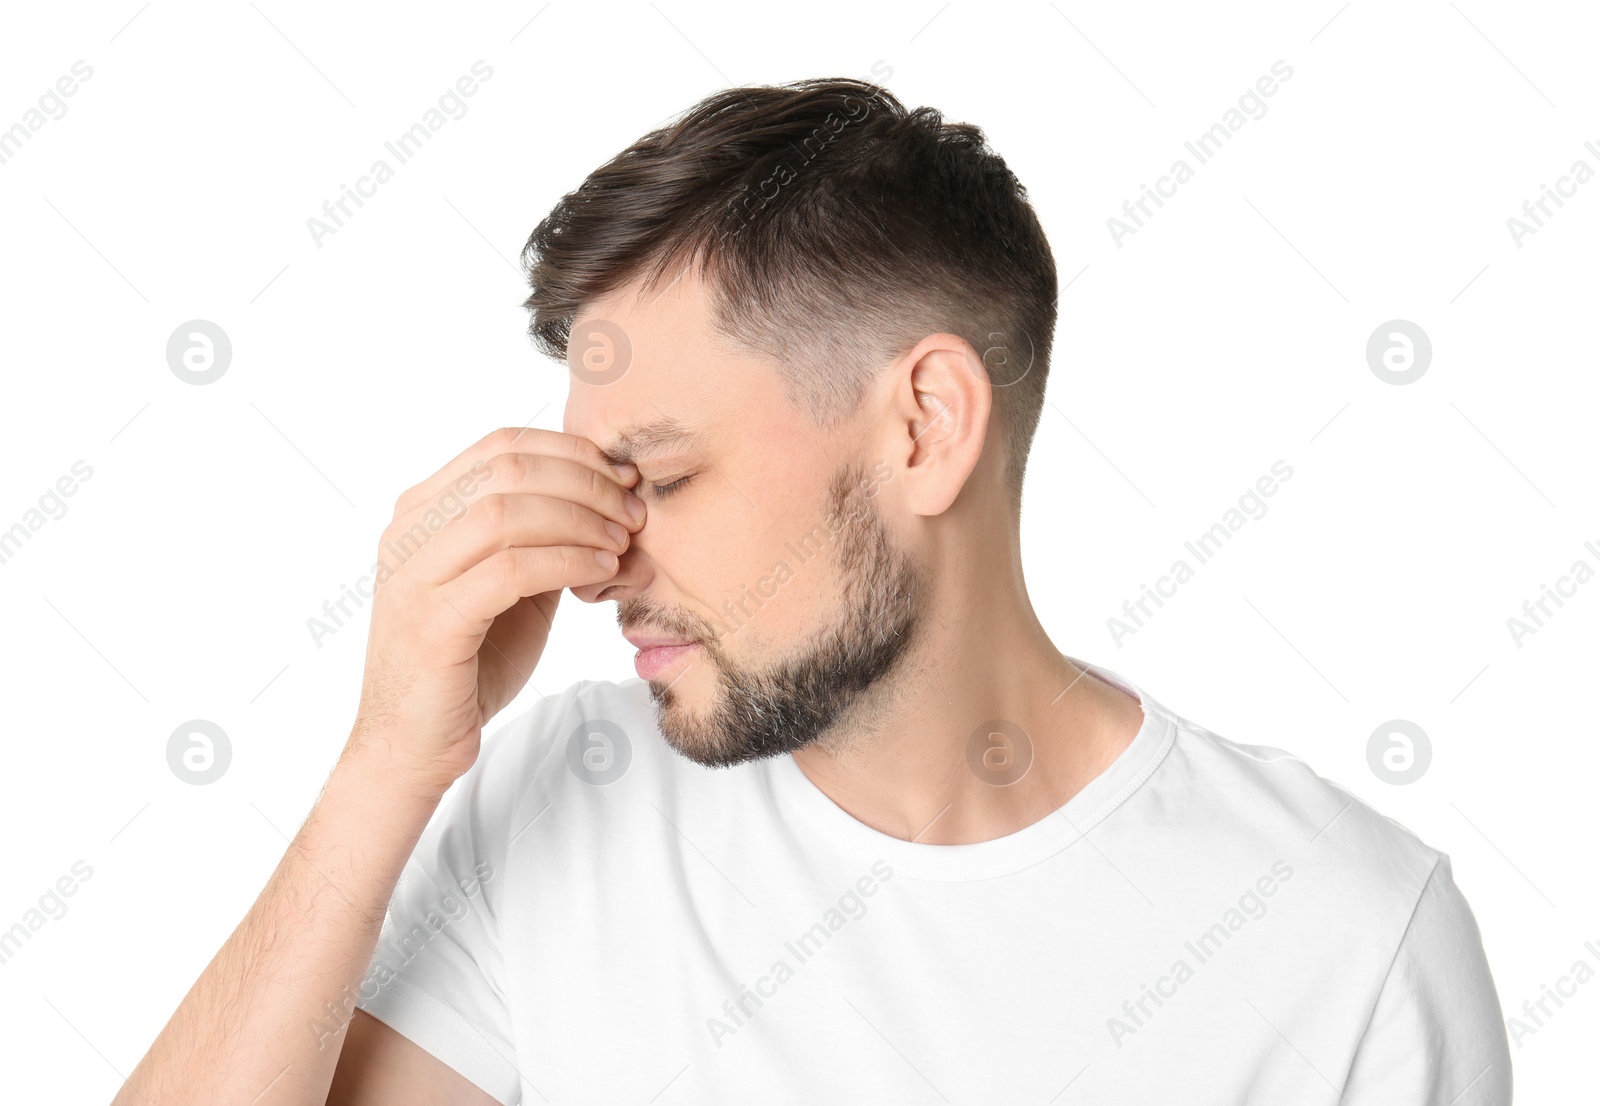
(771, 555)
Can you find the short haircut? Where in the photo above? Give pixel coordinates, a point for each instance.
(835, 230)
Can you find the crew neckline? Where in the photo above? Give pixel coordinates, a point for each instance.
(803, 802)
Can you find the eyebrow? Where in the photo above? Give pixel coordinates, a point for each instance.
(650, 439)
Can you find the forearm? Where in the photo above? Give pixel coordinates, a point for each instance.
(260, 1015)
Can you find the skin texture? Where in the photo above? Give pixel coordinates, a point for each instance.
(874, 659)
(794, 700)
(874, 664)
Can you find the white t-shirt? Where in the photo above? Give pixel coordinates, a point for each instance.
(590, 917)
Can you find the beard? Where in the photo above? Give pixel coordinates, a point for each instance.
(794, 701)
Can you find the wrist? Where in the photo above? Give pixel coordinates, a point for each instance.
(373, 757)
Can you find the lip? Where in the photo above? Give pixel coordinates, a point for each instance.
(658, 654)
(653, 662)
(646, 641)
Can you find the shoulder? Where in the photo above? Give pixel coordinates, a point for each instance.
(1264, 794)
(1239, 810)
(1380, 931)
(1366, 908)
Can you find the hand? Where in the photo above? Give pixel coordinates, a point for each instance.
(470, 571)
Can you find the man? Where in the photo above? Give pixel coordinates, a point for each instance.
(858, 831)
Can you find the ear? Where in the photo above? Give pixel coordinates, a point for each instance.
(942, 403)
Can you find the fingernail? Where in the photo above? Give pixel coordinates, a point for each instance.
(635, 507)
(625, 472)
(618, 534)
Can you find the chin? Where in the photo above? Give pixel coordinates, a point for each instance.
(693, 735)
(689, 741)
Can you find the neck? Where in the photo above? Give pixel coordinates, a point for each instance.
(918, 758)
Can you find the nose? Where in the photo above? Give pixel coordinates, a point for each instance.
(629, 578)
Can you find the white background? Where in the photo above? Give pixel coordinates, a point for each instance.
(1228, 333)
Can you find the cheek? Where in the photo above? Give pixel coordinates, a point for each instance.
(764, 576)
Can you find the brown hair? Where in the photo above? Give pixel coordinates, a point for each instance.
(835, 229)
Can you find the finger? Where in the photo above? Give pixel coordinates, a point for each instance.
(516, 474)
(503, 520)
(460, 476)
(490, 587)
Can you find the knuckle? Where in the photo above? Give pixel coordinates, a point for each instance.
(513, 468)
(504, 470)
(506, 437)
(490, 511)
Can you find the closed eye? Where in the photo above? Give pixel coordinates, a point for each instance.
(661, 491)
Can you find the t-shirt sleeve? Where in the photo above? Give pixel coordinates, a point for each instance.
(1436, 1037)
(438, 974)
